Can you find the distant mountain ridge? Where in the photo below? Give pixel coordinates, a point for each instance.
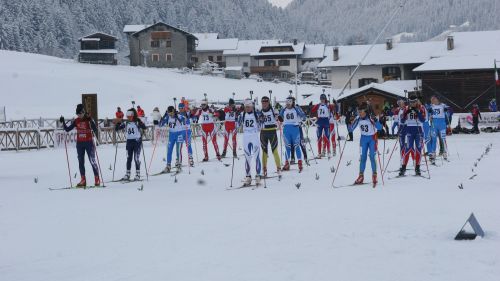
(53, 27)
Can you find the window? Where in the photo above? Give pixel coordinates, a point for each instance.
(194, 59)
(169, 57)
(169, 44)
(365, 81)
(284, 62)
(245, 64)
(391, 73)
(284, 75)
(219, 58)
(155, 43)
(155, 57)
(211, 58)
(269, 63)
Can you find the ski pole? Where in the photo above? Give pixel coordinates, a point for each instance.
(114, 165)
(144, 157)
(281, 140)
(232, 172)
(97, 156)
(425, 156)
(67, 158)
(310, 146)
(383, 153)
(188, 144)
(389, 160)
(378, 154)
(154, 150)
(193, 134)
(338, 164)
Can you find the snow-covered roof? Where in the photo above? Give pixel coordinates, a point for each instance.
(101, 51)
(458, 63)
(249, 47)
(401, 53)
(88, 37)
(314, 51)
(133, 28)
(205, 36)
(479, 44)
(408, 85)
(207, 45)
(381, 87)
(298, 50)
(234, 68)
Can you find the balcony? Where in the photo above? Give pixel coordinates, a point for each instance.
(261, 69)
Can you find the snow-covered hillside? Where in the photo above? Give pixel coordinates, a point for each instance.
(34, 86)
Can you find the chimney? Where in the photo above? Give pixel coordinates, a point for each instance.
(335, 53)
(295, 41)
(388, 44)
(450, 42)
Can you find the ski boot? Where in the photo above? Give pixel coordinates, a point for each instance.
(191, 161)
(374, 179)
(360, 179)
(82, 183)
(402, 170)
(286, 167)
(445, 156)
(218, 157)
(97, 181)
(257, 180)
(323, 154)
(223, 154)
(126, 177)
(137, 175)
(432, 158)
(248, 181)
(417, 170)
(205, 159)
(178, 164)
(300, 166)
(334, 153)
(167, 169)
(264, 171)
(234, 154)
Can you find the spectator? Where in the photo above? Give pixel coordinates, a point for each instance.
(119, 113)
(185, 102)
(493, 105)
(156, 115)
(140, 112)
(476, 116)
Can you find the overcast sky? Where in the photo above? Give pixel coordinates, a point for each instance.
(280, 3)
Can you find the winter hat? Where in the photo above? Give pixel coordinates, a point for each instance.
(80, 109)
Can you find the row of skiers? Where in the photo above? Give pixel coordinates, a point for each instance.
(260, 129)
(417, 126)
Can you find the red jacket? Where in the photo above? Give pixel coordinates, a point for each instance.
(119, 114)
(140, 112)
(84, 128)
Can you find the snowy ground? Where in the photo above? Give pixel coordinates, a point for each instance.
(187, 231)
(403, 230)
